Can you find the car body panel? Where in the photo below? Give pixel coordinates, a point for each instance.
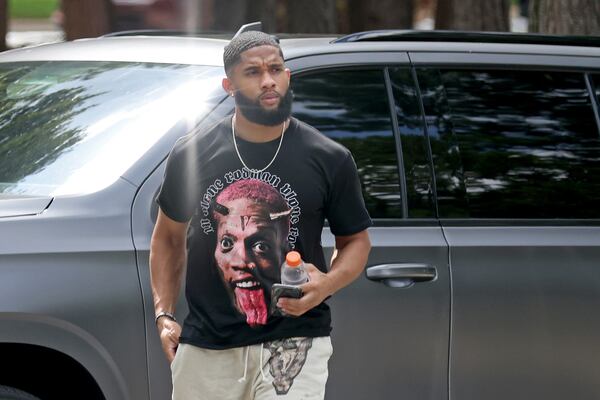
(492, 59)
(15, 207)
(69, 339)
(163, 49)
(55, 282)
(524, 306)
(144, 213)
(203, 51)
(393, 342)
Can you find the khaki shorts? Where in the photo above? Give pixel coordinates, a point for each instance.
(290, 369)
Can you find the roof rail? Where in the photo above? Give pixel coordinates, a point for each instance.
(166, 32)
(465, 36)
(252, 26)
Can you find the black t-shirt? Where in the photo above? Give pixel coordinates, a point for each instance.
(243, 223)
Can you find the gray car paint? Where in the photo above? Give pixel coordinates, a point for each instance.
(134, 49)
(70, 283)
(23, 206)
(524, 320)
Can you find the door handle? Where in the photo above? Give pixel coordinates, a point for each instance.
(401, 275)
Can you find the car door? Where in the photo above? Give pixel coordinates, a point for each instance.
(516, 148)
(391, 326)
(143, 218)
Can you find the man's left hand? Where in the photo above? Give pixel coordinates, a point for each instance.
(314, 292)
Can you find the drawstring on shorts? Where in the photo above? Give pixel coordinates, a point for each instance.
(264, 378)
(247, 350)
(243, 378)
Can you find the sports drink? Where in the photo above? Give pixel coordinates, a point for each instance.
(292, 270)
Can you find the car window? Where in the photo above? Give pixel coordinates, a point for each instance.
(415, 153)
(351, 107)
(74, 127)
(595, 80)
(512, 144)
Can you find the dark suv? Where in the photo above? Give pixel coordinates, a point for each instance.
(479, 156)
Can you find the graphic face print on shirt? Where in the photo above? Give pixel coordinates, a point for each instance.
(252, 221)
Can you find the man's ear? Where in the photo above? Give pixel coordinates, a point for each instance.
(288, 73)
(228, 86)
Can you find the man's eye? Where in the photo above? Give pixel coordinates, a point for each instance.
(251, 72)
(276, 69)
(226, 244)
(261, 247)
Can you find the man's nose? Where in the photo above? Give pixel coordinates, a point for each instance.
(267, 81)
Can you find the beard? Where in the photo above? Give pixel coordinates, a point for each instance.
(254, 112)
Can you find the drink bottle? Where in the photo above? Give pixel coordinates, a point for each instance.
(292, 270)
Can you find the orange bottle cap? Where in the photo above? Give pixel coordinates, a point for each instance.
(293, 259)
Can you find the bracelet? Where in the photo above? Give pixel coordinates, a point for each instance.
(164, 314)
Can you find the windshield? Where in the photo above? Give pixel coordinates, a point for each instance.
(75, 127)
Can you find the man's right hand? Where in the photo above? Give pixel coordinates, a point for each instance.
(167, 265)
(169, 332)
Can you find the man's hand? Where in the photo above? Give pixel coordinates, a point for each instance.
(315, 291)
(167, 264)
(348, 261)
(169, 332)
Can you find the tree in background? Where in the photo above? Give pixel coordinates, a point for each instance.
(269, 12)
(566, 17)
(229, 15)
(383, 14)
(306, 16)
(86, 18)
(3, 23)
(473, 15)
(232, 14)
(312, 16)
(303, 16)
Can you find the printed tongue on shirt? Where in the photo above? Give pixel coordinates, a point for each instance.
(253, 305)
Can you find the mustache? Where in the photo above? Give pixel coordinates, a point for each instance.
(269, 94)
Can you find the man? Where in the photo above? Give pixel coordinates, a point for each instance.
(231, 349)
(252, 221)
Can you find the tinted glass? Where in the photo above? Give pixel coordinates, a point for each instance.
(75, 127)
(417, 167)
(351, 107)
(595, 80)
(513, 144)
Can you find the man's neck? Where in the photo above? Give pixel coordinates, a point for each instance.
(253, 132)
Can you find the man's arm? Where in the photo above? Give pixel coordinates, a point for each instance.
(167, 264)
(348, 261)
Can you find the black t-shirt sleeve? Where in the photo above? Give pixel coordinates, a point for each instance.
(176, 197)
(346, 210)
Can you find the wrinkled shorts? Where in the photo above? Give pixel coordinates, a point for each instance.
(286, 369)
